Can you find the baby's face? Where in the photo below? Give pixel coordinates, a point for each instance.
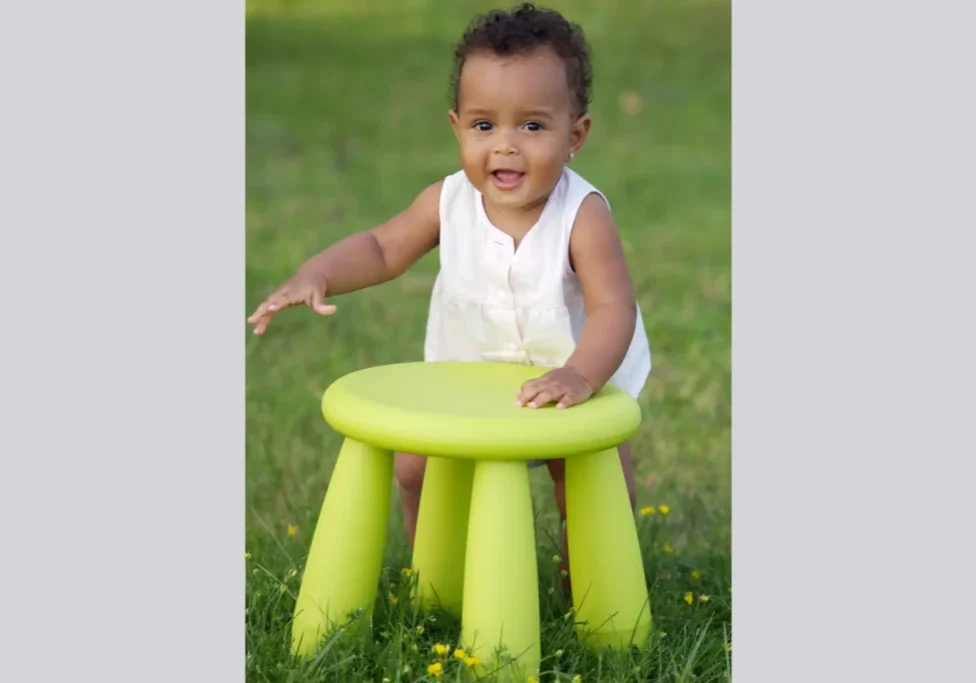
(516, 126)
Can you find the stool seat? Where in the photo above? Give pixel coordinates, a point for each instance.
(468, 410)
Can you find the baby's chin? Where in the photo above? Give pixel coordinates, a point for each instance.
(514, 199)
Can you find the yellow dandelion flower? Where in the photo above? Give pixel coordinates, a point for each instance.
(556, 559)
(649, 510)
(392, 599)
(689, 597)
(696, 575)
(668, 548)
(407, 571)
(704, 598)
(435, 669)
(460, 654)
(247, 556)
(291, 530)
(533, 679)
(440, 649)
(665, 509)
(471, 661)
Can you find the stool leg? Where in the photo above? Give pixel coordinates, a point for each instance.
(343, 567)
(442, 531)
(501, 584)
(609, 586)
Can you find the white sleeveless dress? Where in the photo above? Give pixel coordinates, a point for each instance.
(492, 302)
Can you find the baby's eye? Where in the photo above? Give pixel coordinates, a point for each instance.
(533, 126)
(482, 125)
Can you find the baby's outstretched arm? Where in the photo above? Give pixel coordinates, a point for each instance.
(598, 258)
(359, 261)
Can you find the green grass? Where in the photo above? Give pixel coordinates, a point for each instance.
(346, 122)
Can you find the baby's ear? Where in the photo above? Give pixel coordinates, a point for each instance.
(453, 117)
(579, 133)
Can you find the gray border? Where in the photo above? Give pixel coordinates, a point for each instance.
(122, 228)
(853, 341)
(121, 485)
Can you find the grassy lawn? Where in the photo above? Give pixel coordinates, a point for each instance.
(346, 122)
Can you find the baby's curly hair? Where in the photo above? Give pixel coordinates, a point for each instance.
(521, 30)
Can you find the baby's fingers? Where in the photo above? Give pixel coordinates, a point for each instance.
(529, 391)
(260, 318)
(274, 303)
(262, 324)
(259, 313)
(541, 393)
(546, 396)
(319, 306)
(568, 399)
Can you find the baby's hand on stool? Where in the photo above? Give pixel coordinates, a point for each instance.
(563, 385)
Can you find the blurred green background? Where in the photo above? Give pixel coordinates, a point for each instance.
(346, 122)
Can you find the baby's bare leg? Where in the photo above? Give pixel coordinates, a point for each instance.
(557, 469)
(409, 470)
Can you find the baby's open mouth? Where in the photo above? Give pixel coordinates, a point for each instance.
(507, 179)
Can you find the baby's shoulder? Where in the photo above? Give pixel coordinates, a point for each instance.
(455, 182)
(577, 185)
(457, 195)
(580, 196)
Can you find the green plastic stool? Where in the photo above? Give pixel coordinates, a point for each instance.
(475, 550)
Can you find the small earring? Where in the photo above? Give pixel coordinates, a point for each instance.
(571, 155)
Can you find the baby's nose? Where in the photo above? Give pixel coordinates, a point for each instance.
(505, 148)
(504, 145)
